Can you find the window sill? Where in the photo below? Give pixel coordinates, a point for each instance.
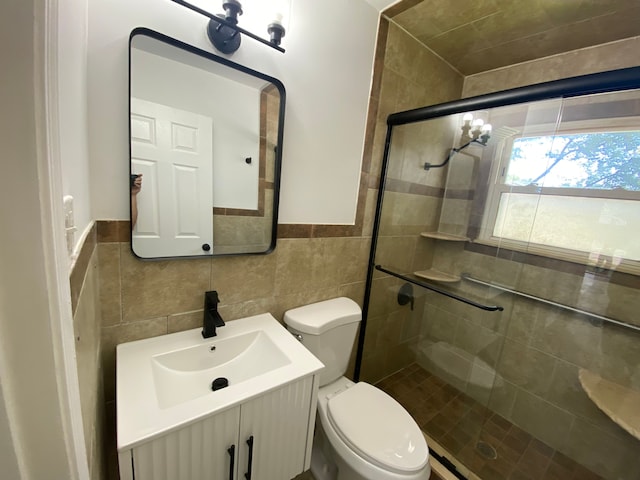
(598, 263)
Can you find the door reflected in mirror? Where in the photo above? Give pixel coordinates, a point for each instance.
(204, 152)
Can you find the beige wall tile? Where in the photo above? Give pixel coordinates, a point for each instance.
(354, 291)
(409, 214)
(374, 366)
(185, 321)
(442, 325)
(370, 208)
(620, 356)
(301, 266)
(566, 392)
(609, 56)
(125, 332)
(525, 367)
(605, 454)
(159, 288)
(542, 419)
(288, 301)
(523, 319)
(396, 253)
(569, 338)
(86, 323)
(502, 399)
(243, 278)
(249, 308)
(347, 259)
(384, 294)
(478, 341)
(110, 283)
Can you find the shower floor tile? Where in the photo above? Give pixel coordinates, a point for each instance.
(486, 443)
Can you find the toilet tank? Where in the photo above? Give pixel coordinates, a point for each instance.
(328, 329)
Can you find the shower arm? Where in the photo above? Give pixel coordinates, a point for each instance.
(482, 142)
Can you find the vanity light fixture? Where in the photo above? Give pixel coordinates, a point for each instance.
(223, 30)
(473, 131)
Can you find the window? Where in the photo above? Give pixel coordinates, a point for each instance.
(572, 195)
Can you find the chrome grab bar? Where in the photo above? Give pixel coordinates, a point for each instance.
(466, 276)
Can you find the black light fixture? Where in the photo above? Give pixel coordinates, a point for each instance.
(473, 131)
(226, 39)
(225, 34)
(276, 31)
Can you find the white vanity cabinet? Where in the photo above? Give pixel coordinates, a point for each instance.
(279, 424)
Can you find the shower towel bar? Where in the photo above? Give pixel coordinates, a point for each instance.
(489, 308)
(469, 278)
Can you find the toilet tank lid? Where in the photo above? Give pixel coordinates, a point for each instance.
(319, 317)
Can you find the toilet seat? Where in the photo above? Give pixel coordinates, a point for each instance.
(378, 428)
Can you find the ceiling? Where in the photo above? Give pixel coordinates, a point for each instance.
(478, 35)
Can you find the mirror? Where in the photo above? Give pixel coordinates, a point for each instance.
(204, 151)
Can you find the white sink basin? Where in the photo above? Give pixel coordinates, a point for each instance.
(188, 373)
(166, 382)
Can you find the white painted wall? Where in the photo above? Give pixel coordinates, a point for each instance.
(327, 73)
(72, 91)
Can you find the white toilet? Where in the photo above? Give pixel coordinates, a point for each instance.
(362, 433)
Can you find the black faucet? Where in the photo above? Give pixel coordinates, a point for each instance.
(212, 318)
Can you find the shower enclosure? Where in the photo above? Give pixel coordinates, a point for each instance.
(502, 302)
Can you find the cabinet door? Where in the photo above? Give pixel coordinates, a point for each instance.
(278, 423)
(195, 452)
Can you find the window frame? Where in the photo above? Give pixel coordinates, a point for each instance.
(497, 186)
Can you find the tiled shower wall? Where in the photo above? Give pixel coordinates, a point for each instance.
(542, 347)
(411, 77)
(536, 349)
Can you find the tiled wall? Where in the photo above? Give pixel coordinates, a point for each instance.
(538, 349)
(86, 324)
(410, 77)
(141, 299)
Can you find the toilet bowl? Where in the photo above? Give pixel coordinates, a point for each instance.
(361, 432)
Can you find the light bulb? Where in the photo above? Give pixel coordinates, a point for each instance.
(486, 128)
(478, 122)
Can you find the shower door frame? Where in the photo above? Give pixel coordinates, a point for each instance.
(604, 82)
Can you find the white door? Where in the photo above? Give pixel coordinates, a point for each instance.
(172, 149)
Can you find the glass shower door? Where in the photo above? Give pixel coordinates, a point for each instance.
(503, 310)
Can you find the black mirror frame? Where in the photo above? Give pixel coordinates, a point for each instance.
(278, 153)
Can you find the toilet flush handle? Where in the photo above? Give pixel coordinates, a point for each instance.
(298, 336)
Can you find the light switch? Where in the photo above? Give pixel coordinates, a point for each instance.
(69, 224)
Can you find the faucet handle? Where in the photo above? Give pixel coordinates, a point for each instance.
(211, 297)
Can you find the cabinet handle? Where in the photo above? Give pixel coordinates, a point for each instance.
(250, 443)
(232, 460)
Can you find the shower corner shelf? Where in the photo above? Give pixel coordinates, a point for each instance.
(437, 276)
(618, 402)
(445, 236)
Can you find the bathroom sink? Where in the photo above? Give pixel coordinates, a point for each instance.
(165, 382)
(188, 373)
